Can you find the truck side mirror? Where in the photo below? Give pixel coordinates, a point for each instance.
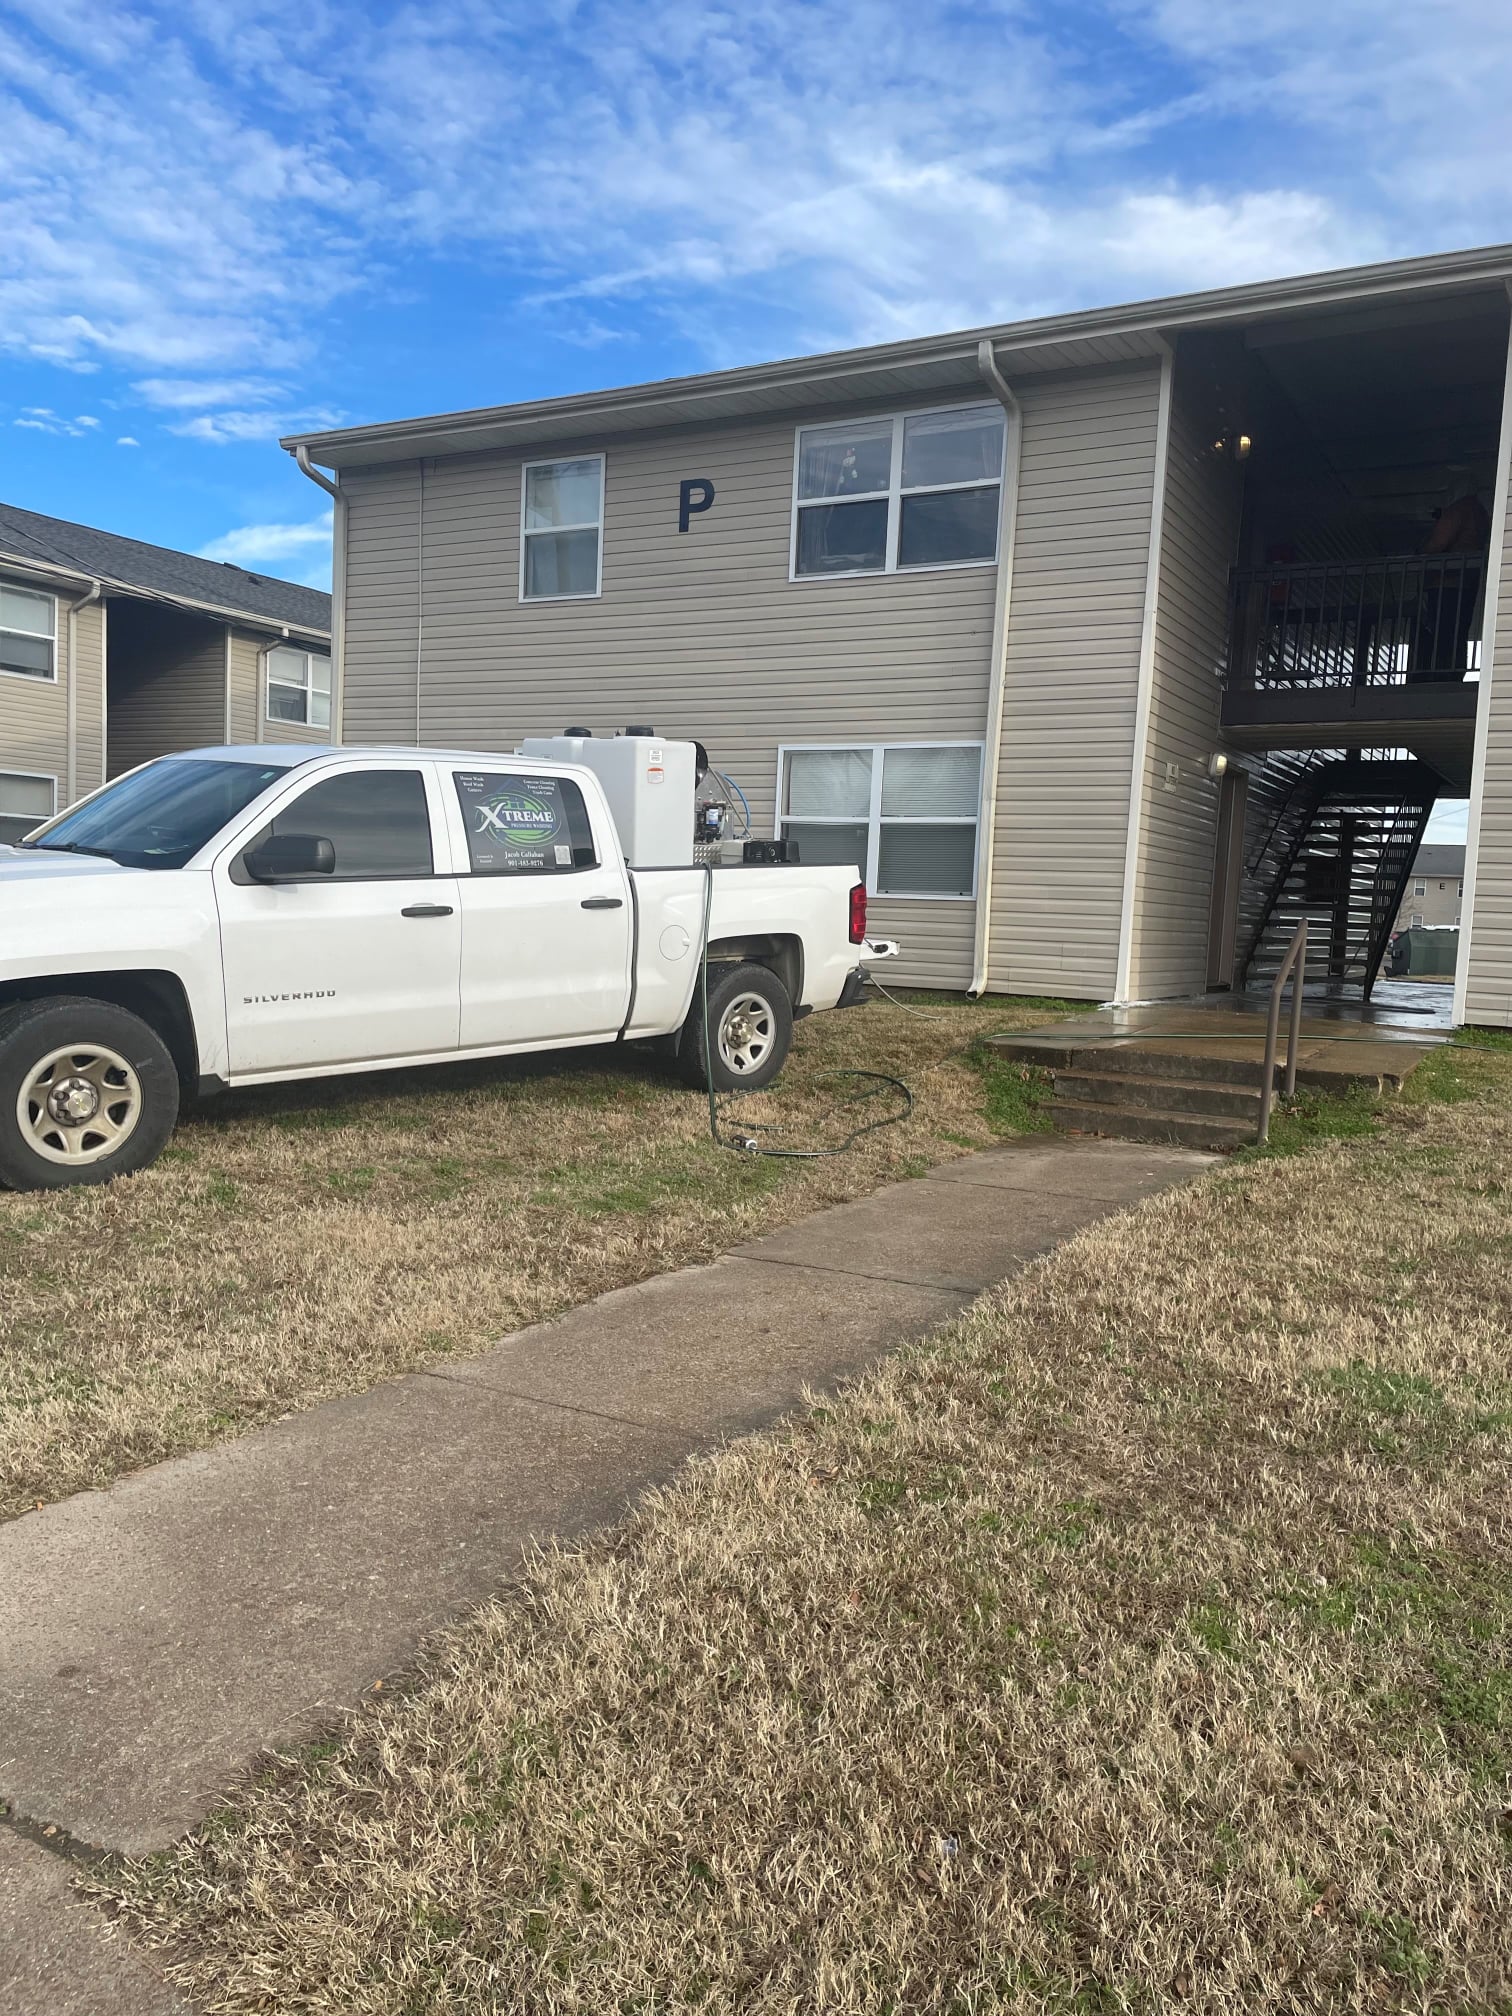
(290, 857)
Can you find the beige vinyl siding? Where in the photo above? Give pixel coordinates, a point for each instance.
(1199, 534)
(89, 707)
(1488, 984)
(1081, 560)
(34, 712)
(168, 686)
(245, 679)
(382, 602)
(701, 634)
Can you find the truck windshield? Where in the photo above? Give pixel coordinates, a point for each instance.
(160, 817)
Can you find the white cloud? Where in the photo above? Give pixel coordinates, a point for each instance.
(127, 441)
(261, 547)
(197, 394)
(258, 425)
(859, 170)
(43, 420)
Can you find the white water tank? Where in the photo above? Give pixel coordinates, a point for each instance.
(649, 783)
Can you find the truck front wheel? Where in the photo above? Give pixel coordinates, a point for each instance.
(750, 1030)
(87, 1092)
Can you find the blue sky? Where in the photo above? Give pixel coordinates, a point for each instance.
(225, 218)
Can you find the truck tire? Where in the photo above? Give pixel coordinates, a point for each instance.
(750, 1030)
(87, 1092)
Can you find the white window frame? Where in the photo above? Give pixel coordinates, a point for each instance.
(33, 678)
(31, 777)
(596, 525)
(308, 652)
(1420, 887)
(874, 821)
(893, 495)
(1417, 921)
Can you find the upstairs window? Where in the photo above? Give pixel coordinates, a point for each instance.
(561, 529)
(299, 687)
(28, 633)
(893, 495)
(904, 815)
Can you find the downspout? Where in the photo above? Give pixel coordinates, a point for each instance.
(1491, 670)
(997, 384)
(1145, 680)
(338, 584)
(71, 702)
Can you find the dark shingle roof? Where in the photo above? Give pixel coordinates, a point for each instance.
(1435, 860)
(158, 570)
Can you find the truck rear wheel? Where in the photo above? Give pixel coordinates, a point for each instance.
(750, 1030)
(87, 1092)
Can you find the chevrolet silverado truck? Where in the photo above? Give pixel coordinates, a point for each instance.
(250, 915)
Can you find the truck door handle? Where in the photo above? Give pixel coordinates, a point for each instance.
(426, 910)
(603, 903)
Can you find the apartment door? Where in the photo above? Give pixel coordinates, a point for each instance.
(1228, 867)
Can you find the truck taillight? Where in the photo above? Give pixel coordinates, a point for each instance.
(857, 913)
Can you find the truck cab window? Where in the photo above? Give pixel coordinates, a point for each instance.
(524, 825)
(378, 821)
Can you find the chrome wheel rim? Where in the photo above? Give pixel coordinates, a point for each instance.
(79, 1103)
(747, 1031)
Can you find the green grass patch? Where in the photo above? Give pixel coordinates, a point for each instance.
(1015, 1097)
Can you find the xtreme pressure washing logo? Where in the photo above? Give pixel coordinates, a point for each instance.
(517, 818)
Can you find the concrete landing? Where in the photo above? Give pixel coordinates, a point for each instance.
(1336, 1051)
(155, 1636)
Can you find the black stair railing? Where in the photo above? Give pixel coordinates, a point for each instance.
(1382, 622)
(1349, 843)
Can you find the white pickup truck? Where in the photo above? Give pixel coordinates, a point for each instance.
(241, 916)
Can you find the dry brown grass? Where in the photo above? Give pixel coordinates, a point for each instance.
(298, 1243)
(1138, 1643)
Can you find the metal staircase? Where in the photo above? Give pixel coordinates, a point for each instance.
(1339, 852)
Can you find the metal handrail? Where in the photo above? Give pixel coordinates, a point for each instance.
(1293, 961)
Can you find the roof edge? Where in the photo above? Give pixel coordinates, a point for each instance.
(249, 619)
(1340, 285)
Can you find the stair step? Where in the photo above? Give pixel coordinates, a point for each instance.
(1165, 1095)
(1148, 1123)
(1118, 1060)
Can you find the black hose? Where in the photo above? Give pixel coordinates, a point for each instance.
(747, 1143)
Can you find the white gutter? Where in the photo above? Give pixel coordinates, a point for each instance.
(1489, 670)
(338, 583)
(1013, 429)
(1145, 689)
(71, 701)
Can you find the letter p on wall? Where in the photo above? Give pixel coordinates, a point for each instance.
(694, 494)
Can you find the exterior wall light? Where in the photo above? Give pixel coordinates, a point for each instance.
(1217, 765)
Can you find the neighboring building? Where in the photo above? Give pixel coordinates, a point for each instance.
(1435, 888)
(1110, 645)
(113, 651)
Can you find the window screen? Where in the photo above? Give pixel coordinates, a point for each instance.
(28, 623)
(524, 825)
(910, 490)
(904, 814)
(378, 821)
(561, 528)
(25, 803)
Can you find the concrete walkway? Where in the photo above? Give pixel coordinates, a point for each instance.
(156, 1636)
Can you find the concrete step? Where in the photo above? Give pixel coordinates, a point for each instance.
(1168, 1060)
(1166, 1095)
(1148, 1123)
